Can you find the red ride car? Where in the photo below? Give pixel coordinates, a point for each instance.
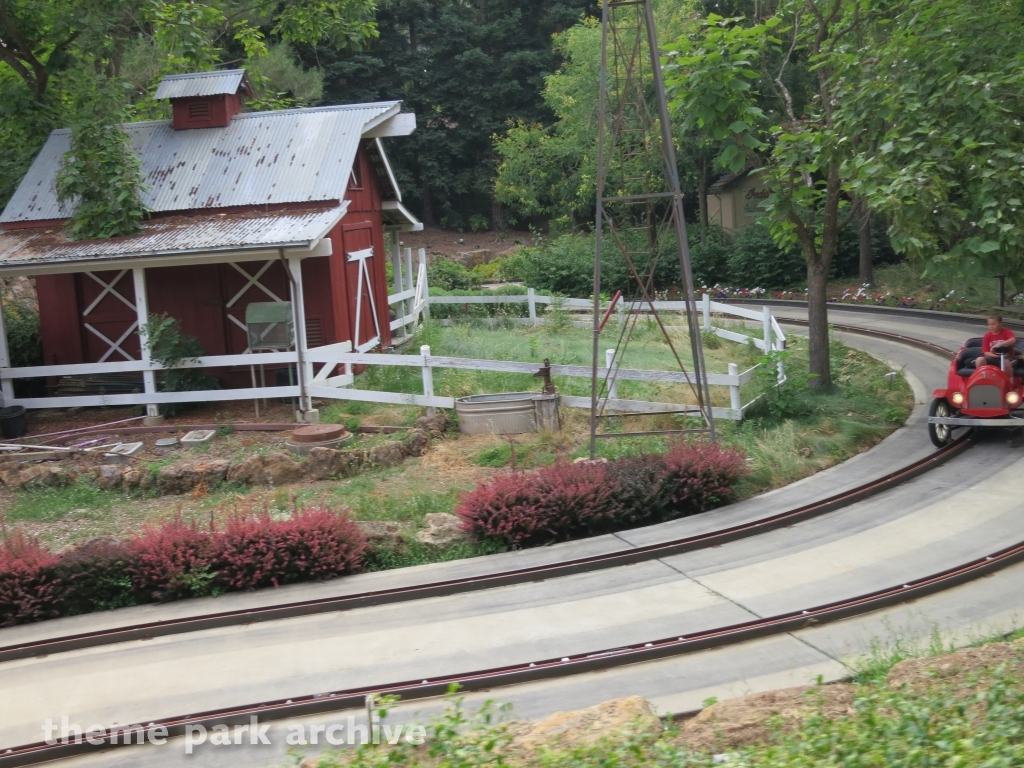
(983, 396)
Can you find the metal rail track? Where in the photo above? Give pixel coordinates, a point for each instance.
(538, 670)
(153, 629)
(541, 669)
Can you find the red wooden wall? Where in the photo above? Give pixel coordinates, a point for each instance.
(198, 294)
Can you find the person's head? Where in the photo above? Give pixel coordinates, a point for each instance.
(995, 323)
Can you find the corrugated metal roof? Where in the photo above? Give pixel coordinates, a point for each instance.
(291, 156)
(200, 84)
(173, 235)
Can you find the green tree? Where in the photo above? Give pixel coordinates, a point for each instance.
(939, 108)
(466, 69)
(50, 51)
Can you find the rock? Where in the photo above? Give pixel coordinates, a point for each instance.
(954, 669)
(20, 287)
(322, 463)
(757, 718)
(585, 460)
(586, 727)
(109, 476)
(416, 442)
(177, 479)
(215, 471)
(387, 454)
(276, 468)
(382, 534)
(183, 478)
(48, 475)
(442, 529)
(435, 426)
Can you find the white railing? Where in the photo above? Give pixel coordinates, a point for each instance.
(412, 303)
(410, 299)
(427, 362)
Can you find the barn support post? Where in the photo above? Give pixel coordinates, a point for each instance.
(142, 311)
(304, 369)
(396, 267)
(6, 385)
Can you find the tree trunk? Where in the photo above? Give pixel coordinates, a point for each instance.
(867, 271)
(427, 209)
(817, 320)
(497, 216)
(702, 198)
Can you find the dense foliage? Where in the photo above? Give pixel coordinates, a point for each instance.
(466, 70)
(90, 65)
(173, 561)
(566, 501)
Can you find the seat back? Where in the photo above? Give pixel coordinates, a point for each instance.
(975, 341)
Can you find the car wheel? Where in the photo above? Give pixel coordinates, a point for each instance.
(940, 434)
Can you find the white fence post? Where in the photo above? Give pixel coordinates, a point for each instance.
(409, 304)
(425, 293)
(613, 384)
(396, 267)
(706, 306)
(735, 402)
(767, 330)
(428, 377)
(532, 300)
(620, 308)
(6, 385)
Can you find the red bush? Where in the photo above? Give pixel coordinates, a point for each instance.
(29, 587)
(256, 551)
(172, 561)
(551, 504)
(701, 475)
(571, 500)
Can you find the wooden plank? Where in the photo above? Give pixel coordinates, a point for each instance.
(141, 398)
(729, 309)
(641, 407)
(742, 338)
(371, 396)
(496, 299)
(402, 296)
(125, 366)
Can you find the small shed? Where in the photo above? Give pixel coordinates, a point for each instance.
(246, 207)
(734, 200)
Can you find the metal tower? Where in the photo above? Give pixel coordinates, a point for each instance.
(639, 201)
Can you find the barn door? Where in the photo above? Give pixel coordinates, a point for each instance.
(360, 270)
(109, 316)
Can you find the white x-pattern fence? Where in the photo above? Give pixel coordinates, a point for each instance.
(410, 304)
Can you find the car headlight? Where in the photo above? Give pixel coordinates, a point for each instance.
(957, 398)
(1013, 399)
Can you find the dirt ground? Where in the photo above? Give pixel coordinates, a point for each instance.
(443, 242)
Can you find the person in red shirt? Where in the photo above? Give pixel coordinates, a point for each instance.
(998, 339)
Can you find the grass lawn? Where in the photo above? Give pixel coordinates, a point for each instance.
(823, 429)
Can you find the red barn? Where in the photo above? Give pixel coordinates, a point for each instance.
(245, 207)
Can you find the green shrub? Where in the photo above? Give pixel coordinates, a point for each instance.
(756, 261)
(451, 276)
(710, 262)
(24, 338)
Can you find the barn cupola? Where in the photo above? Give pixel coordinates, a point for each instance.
(205, 99)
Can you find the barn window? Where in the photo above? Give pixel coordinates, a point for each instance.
(355, 179)
(314, 332)
(199, 110)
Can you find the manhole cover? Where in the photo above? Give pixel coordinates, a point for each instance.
(318, 433)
